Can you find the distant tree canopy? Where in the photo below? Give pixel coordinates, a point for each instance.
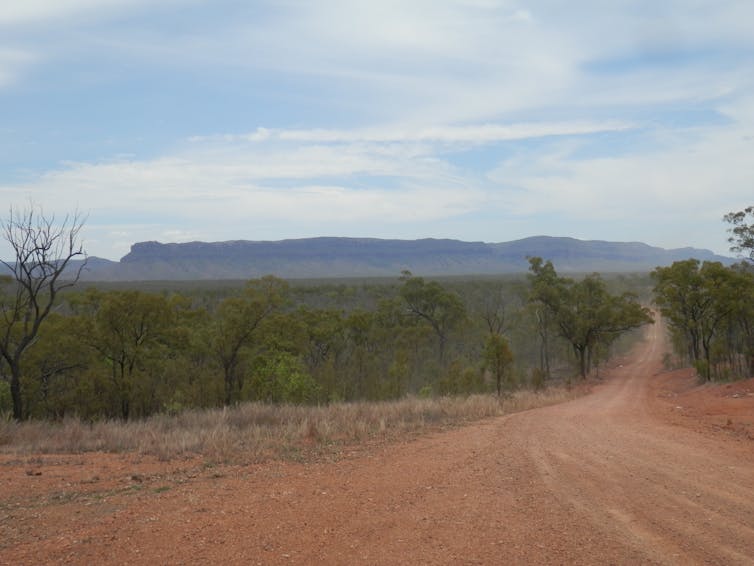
(120, 352)
(115, 351)
(583, 312)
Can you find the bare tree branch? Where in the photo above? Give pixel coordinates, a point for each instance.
(42, 250)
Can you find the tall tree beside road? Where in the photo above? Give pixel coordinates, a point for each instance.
(742, 231)
(584, 313)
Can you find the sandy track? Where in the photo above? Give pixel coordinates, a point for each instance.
(611, 478)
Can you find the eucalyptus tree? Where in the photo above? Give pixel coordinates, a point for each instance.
(545, 295)
(430, 302)
(57, 380)
(235, 324)
(697, 299)
(130, 330)
(742, 231)
(683, 301)
(582, 312)
(588, 317)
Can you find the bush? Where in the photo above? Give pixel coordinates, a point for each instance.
(283, 379)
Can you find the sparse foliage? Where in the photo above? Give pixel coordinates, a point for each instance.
(498, 359)
(544, 298)
(43, 250)
(438, 307)
(742, 231)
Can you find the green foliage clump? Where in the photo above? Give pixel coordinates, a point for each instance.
(710, 312)
(282, 378)
(112, 352)
(583, 313)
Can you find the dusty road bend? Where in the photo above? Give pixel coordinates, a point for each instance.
(604, 479)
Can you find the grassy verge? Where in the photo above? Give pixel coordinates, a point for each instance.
(257, 432)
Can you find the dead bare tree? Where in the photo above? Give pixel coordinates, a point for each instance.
(43, 250)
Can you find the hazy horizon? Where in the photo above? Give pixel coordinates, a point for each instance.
(116, 259)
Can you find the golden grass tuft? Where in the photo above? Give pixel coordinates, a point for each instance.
(254, 432)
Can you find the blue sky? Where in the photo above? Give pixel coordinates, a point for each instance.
(486, 120)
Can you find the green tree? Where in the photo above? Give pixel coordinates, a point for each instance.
(589, 316)
(498, 359)
(236, 323)
(363, 351)
(493, 310)
(742, 231)
(680, 294)
(720, 284)
(54, 371)
(697, 299)
(584, 313)
(433, 304)
(325, 345)
(742, 314)
(128, 329)
(43, 251)
(545, 294)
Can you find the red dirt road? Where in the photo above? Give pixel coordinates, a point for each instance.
(640, 471)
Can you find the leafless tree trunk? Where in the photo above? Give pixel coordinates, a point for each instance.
(43, 250)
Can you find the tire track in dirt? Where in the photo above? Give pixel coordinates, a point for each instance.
(604, 479)
(673, 495)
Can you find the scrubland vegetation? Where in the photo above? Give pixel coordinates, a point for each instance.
(128, 353)
(201, 367)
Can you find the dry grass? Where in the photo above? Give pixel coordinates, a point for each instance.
(257, 432)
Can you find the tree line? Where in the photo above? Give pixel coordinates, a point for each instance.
(710, 307)
(128, 353)
(710, 312)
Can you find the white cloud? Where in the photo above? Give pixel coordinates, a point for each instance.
(398, 87)
(229, 191)
(21, 12)
(674, 194)
(451, 62)
(430, 62)
(481, 134)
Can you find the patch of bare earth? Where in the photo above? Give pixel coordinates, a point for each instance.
(620, 476)
(726, 407)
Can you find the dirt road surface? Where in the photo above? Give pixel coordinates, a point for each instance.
(632, 473)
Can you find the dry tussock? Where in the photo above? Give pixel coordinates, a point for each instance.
(257, 432)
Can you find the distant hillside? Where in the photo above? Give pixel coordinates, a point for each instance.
(364, 257)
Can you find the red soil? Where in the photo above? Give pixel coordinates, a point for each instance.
(650, 468)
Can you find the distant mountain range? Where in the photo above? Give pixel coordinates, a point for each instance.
(371, 257)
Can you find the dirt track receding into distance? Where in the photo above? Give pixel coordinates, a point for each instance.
(646, 469)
